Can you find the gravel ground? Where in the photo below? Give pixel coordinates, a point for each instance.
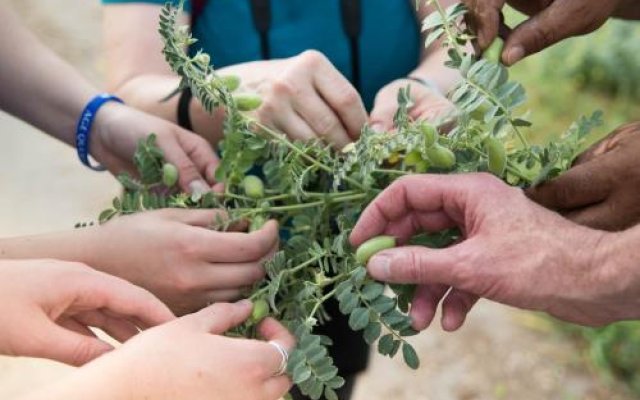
(499, 354)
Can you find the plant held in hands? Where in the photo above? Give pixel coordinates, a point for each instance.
(317, 193)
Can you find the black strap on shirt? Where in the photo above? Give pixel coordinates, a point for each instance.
(351, 11)
(261, 11)
(352, 24)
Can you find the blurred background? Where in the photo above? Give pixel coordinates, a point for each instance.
(500, 353)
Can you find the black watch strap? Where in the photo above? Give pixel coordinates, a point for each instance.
(184, 102)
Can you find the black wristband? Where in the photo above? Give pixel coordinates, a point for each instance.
(184, 117)
(423, 82)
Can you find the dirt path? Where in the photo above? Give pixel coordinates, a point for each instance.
(499, 354)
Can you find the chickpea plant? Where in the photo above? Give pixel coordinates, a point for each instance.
(317, 193)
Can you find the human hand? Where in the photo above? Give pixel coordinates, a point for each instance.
(428, 104)
(47, 307)
(118, 129)
(512, 251)
(603, 188)
(189, 358)
(550, 22)
(177, 256)
(306, 97)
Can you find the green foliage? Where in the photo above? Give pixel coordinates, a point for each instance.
(608, 63)
(317, 193)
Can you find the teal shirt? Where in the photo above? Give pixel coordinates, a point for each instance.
(389, 41)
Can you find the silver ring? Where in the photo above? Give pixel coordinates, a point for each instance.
(282, 369)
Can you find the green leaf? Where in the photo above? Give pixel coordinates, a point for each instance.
(410, 356)
(330, 394)
(395, 348)
(349, 303)
(301, 374)
(383, 304)
(359, 318)
(372, 291)
(372, 332)
(385, 344)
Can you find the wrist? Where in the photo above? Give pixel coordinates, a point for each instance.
(86, 127)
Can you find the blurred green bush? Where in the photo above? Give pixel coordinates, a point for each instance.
(573, 78)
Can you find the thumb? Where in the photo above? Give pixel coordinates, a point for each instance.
(552, 25)
(384, 109)
(217, 318)
(69, 347)
(420, 265)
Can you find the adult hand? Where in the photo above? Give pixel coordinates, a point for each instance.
(513, 251)
(428, 104)
(47, 307)
(188, 358)
(118, 129)
(603, 188)
(176, 255)
(551, 21)
(306, 97)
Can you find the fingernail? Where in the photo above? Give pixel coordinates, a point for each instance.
(380, 267)
(244, 303)
(514, 54)
(198, 188)
(377, 127)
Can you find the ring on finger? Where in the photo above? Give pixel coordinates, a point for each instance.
(282, 369)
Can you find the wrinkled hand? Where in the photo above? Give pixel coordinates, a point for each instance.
(428, 105)
(177, 256)
(187, 359)
(47, 307)
(116, 134)
(306, 97)
(513, 252)
(602, 190)
(551, 22)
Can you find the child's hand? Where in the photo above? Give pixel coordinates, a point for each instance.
(47, 307)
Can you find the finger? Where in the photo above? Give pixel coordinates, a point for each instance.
(271, 330)
(321, 119)
(561, 20)
(604, 216)
(288, 121)
(224, 295)
(188, 174)
(217, 318)
(204, 218)
(118, 328)
(277, 387)
(268, 355)
(381, 116)
(201, 154)
(425, 194)
(102, 291)
(73, 325)
(422, 265)
(67, 346)
(580, 186)
(342, 97)
(485, 19)
(235, 247)
(455, 308)
(424, 305)
(228, 276)
(405, 228)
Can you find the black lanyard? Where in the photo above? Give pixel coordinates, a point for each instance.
(261, 13)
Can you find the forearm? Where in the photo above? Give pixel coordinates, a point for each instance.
(37, 86)
(76, 245)
(432, 68)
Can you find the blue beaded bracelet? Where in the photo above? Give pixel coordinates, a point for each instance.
(83, 130)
